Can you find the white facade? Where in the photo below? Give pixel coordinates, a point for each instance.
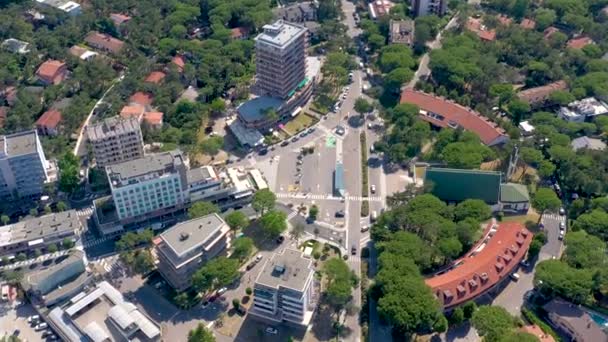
(585, 109)
(148, 195)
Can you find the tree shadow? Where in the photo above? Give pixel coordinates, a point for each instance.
(322, 326)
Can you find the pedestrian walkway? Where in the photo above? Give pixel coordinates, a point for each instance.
(329, 197)
(86, 212)
(292, 215)
(108, 264)
(94, 242)
(41, 258)
(554, 216)
(364, 240)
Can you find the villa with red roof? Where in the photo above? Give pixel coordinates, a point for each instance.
(528, 24)
(104, 42)
(179, 62)
(580, 42)
(48, 123)
(52, 72)
(444, 113)
(134, 110)
(153, 120)
(492, 260)
(155, 77)
(141, 98)
(476, 26)
(239, 33)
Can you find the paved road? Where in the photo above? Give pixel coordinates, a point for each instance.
(512, 297)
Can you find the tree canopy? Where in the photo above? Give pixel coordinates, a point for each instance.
(200, 209)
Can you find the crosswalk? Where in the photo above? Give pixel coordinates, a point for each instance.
(108, 264)
(364, 240)
(329, 197)
(86, 212)
(292, 215)
(554, 216)
(94, 242)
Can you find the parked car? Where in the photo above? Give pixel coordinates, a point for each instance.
(263, 152)
(310, 130)
(562, 211)
(561, 235)
(284, 143)
(373, 188)
(515, 276)
(41, 326)
(222, 291)
(340, 213)
(364, 229)
(353, 250)
(33, 319)
(373, 216)
(562, 226)
(280, 239)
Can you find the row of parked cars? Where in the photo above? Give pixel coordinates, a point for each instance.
(39, 325)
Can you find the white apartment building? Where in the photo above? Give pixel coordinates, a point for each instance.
(284, 290)
(23, 166)
(581, 110)
(185, 247)
(427, 7)
(116, 140)
(150, 186)
(280, 59)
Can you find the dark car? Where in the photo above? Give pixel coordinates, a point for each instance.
(250, 266)
(285, 143)
(340, 213)
(263, 152)
(280, 239)
(353, 250)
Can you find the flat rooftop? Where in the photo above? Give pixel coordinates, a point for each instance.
(18, 144)
(200, 174)
(255, 109)
(113, 126)
(289, 269)
(36, 230)
(186, 236)
(160, 162)
(280, 33)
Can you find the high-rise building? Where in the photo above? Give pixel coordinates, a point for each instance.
(426, 7)
(116, 140)
(280, 59)
(23, 166)
(284, 290)
(185, 247)
(150, 186)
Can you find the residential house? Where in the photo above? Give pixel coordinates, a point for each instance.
(401, 32)
(239, 33)
(82, 53)
(579, 42)
(155, 77)
(573, 321)
(583, 110)
(142, 99)
(120, 22)
(48, 122)
(476, 26)
(549, 31)
(528, 24)
(514, 198)
(71, 8)
(538, 96)
(16, 46)
(133, 111)
(379, 8)
(179, 62)
(587, 144)
(153, 120)
(52, 72)
(298, 12)
(104, 42)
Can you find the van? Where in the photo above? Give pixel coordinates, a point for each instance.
(515, 276)
(373, 216)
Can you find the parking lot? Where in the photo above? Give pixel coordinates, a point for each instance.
(13, 320)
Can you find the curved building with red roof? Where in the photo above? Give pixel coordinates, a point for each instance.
(486, 265)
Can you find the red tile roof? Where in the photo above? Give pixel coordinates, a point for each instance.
(154, 119)
(104, 42)
(445, 113)
(476, 26)
(485, 265)
(52, 72)
(503, 19)
(549, 31)
(119, 18)
(132, 111)
(541, 94)
(239, 32)
(141, 98)
(528, 24)
(49, 119)
(179, 61)
(580, 42)
(155, 77)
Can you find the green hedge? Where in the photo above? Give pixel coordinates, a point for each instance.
(364, 175)
(534, 319)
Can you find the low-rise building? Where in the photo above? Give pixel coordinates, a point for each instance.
(577, 324)
(82, 53)
(526, 128)
(514, 198)
(427, 7)
(401, 32)
(298, 12)
(285, 290)
(185, 247)
(52, 72)
(444, 113)
(579, 42)
(16, 46)
(142, 99)
(528, 24)
(583, 110)
(104, 42)
(48, 122)
(239, 33)
(155, 77)
(379, 8)
(150, 186)
(133, 111)
(102, 314)
(59, 281)
(153, 120)
(116, 140)
(39, 232)
(487, 265)
(476, 26)
(71, 8)
(587, 144)
(538, 96)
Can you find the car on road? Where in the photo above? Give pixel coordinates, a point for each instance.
(284, 143)
(561, 235)
(339, 213)
(205, 304)
(340, 130)
(263, 152)
(353, 250)
(364, 229)
(373, 216)
(271, 331)
(310, 130)
(295, 139)
(562, 211)
(222, 291)
(17, 332)
(562, 226)
(373, 188)
(303, 134)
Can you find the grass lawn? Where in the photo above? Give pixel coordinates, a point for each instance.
(299, 123)
(531, 216)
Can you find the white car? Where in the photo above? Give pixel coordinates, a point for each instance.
(222, 291)
(41, 326)
(515, 276)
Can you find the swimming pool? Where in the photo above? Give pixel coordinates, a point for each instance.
(599, 319)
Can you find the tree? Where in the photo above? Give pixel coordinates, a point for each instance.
(297, 231)
(546, 169)
(200, 334)
(544, 18)
(200, 209)
(537, 243)
(218, 272)
(69, 172)
(21, 257)
(274, 223)
(313, 212)
(34, 212)
(492, 322)
(472, 208)
(132, 240)
(5, 219)
(469, 309)
(182, 300)
(457, 317)
(211, 146)
(518, 108)
(594, 222)
(441, 324)
(263, 201)
(545, 199)
(67, 243)
(340, 282)
(466, 155)
(139, 261)
(52, 248)
(242, 248)
(61, 206)
(237, 220)
(504, 92)
(236, 303)
(249, 291)
(362, 106)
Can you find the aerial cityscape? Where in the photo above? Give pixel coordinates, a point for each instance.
(294, 170)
